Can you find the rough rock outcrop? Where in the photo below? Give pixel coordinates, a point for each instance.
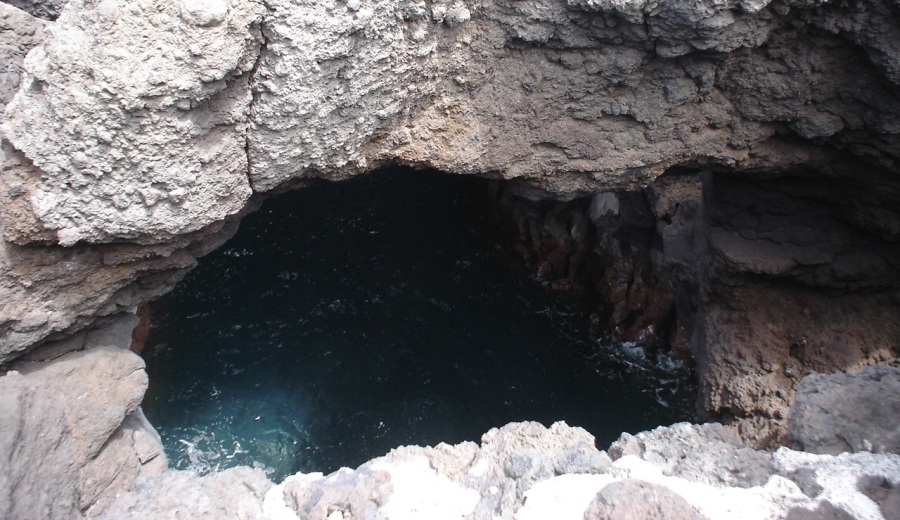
(129, 139)
(110, 145)
(835, 413)
(140, 130)
(698, 261)
(235, 493)
(73, 435)
(45, 9)
(599, 96)
(638, 499)
(526, 471)
(707, 453)
(19, 33)
(107, 462)
(52, 292)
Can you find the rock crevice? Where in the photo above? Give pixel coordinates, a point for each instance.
(741, 158)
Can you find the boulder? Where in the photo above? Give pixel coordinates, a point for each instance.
(708, 453)
(637, 499)
(73, 434)
(234, 493)
(44, 9)
(837, 413)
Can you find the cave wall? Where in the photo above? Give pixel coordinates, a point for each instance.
(224, 97)
(137, 134)
(140, 133)
(757, 282)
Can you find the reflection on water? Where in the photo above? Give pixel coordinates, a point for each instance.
(346, 319)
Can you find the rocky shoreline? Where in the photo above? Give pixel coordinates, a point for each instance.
(97, 456)
(732, 165)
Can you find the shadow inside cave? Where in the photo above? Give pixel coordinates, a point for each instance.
(346, 319)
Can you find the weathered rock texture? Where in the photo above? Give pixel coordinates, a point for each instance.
(98, 458)
(48, 291)
(140, 131)
(574, 97)
(130, 138)
(19, 33)
(235, 493)
(110, 142)
(835, 413)
(46, 9)
(72, 434)
(763, 280)
(526, 471)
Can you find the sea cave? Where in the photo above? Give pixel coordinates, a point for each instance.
(530, 259)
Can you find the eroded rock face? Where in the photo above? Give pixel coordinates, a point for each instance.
(73, 435)
(140, 130)
(132, 139)
(758, 281)
(48, 292)
(565, 477)
(100, 459)
(639, 499)
(44, 9)
(835, 413)
(600, 97)
(108, 144)
(19, 33)
(233, 493)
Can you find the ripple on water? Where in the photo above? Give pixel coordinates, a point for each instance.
(347, 319)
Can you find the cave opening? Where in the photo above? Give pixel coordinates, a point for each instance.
(346, 319)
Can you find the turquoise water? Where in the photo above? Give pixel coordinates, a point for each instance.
(347, 319)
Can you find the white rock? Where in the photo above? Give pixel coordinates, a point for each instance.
(204, 13)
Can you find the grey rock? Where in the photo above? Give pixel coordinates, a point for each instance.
(834, 413)
(883, 492)
(850, 485)
(515, 457)
(233, 493)
(153, 150)
(825, 511)
(48, 293)
(107, 375)
(708, 453)
(133, 451)
(116, 332)
(44, 9)
(637, 499)
(105, 175)
(447, 482)
(139, 128)
(463, 479)
(355, 493)
(80, 443)
(337, 90)
(19, 33)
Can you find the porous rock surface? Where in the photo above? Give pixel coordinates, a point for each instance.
(97, 86)
(72, 434)
(44, 9)
(526, 471)
(233, 493)
(836, 413)
(140, 132)
(574, 96)
(99, 458)
(19, 33)
(140, 128)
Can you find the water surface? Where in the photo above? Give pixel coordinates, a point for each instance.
(347, 319)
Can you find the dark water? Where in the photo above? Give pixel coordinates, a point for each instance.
(347, 319)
